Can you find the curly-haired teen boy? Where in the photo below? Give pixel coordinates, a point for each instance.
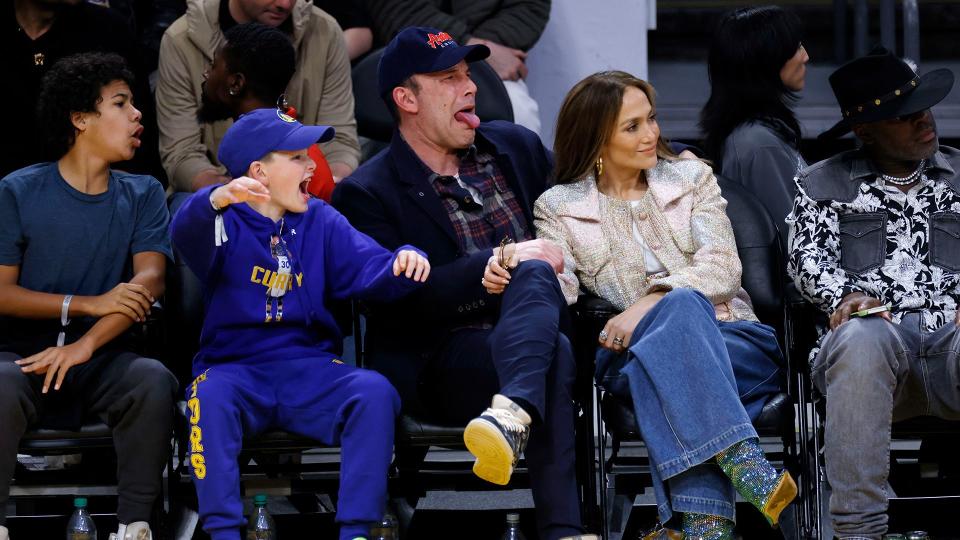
(83, 251)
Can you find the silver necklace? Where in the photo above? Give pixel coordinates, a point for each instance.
(909, 179)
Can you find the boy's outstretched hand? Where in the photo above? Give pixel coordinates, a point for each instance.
(238, 190)
(411, 264)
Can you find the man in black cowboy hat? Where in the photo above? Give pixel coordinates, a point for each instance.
(876, 246)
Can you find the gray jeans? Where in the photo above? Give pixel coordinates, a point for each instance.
(873, 373)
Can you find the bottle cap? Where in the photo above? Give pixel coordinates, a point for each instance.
(513, 518)
(260, 499)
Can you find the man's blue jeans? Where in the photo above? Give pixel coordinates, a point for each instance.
(696, 385)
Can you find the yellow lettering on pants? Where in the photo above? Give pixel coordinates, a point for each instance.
(193, 387)
(196, 440)
(194, 406)
(199, 466)
(196, 434)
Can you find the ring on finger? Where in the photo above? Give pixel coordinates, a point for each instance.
(603, 335)
(618, 341)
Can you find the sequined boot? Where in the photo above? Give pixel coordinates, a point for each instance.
(706, 527)
(756, 480)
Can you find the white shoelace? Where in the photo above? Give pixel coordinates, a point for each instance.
(508, 420)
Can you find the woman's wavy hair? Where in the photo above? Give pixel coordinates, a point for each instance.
(73, 85)
(749, 48)
(587, 120)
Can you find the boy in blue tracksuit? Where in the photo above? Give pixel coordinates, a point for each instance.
(269, 257)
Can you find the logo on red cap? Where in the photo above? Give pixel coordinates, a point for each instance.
(442, 39)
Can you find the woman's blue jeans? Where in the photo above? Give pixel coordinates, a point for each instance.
(696, 384)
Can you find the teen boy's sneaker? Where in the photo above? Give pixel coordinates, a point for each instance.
(138, 530)
(497, 438)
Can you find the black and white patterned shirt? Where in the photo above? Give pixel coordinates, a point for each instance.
(855, 232)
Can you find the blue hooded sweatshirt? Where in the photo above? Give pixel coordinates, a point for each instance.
(266, 285)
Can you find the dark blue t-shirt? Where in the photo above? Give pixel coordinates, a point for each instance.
(68, 242)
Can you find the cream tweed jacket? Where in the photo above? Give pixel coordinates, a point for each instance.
(683, 221)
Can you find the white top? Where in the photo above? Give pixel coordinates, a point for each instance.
(651, 262)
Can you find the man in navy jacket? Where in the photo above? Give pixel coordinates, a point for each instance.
(463, 192)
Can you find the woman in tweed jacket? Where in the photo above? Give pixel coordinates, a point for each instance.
(648, 232)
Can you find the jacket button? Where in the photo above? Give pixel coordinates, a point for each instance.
(642, 216)
(654, 245)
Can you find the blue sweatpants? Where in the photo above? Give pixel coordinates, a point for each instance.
(318, 398)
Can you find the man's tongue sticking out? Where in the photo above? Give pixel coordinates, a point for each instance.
(469, 118)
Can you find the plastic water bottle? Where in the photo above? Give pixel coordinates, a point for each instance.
(261, 526)
(513, 528)
(387, 529)
(918, 535)
(81, 526)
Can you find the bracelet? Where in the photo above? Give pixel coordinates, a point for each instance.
(64, 320)
(506, 263)
(65, 310)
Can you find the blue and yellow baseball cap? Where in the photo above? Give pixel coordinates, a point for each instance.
(421, 49)
(262, 131)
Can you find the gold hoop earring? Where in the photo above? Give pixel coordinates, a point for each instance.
(599, 166)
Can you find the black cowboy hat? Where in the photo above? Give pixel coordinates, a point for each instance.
(880, 86)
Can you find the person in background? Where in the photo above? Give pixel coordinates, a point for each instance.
(251, 71)
(148, 21)
(757, 67)
(353, 20)
(321, 89)
(36, 35)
